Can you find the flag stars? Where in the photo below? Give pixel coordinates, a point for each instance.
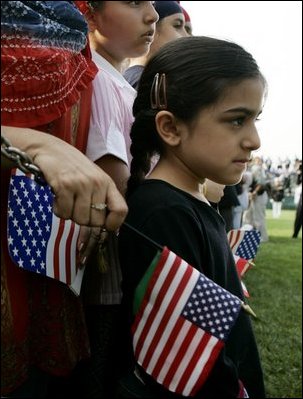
(30, 222)
(15, 251)
(207, 312)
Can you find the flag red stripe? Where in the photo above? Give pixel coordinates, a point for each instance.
(207, 368)
(170, 308)
(163, 291)
(56, 250)
(161, 263)
(179, 356)
(68, 264)
(167, 347)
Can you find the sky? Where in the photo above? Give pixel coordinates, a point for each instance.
(272, 33)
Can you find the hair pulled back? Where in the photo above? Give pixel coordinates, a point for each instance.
(198, 71)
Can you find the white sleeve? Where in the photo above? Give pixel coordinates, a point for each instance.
(106, 134)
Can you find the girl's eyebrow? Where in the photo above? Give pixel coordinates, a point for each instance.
(244, 110)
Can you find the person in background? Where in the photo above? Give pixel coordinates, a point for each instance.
(255, 215)
(170, 26)
(227, 204)
(243, 198)
(198, 112)
(188, 24)
(45, 109)
(118, 30)
(277, 192)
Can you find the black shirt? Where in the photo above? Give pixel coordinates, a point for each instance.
(196, 232)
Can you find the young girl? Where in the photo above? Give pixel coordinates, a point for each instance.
(197, 106)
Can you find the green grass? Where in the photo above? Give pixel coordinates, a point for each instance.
(276, 297)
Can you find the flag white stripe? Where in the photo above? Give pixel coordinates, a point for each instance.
(187, 355)
(175, 315)
(200, 365)
(51, 246)
(147, 310)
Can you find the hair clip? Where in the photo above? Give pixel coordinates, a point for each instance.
(158, 98)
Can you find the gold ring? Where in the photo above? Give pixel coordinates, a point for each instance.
(99, 207)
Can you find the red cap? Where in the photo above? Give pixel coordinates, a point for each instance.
(185, 13)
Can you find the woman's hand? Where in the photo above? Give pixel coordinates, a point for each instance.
(76, 181)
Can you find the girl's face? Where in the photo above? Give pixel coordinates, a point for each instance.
(124, 29)
(168, 29)
(219, 144)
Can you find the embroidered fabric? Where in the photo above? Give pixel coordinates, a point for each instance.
(43, 69)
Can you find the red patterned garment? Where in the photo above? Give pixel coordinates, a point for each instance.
(46, 84)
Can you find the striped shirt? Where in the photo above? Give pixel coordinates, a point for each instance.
(110, 125)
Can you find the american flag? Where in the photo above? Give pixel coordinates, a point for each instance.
(244, 243)
(38, 240)
(182, 324)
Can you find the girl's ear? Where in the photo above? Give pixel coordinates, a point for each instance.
(168, 128)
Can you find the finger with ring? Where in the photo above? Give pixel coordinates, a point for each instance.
(99, 207)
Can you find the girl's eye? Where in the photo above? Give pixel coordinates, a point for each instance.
(238, 121)
(134, 3)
